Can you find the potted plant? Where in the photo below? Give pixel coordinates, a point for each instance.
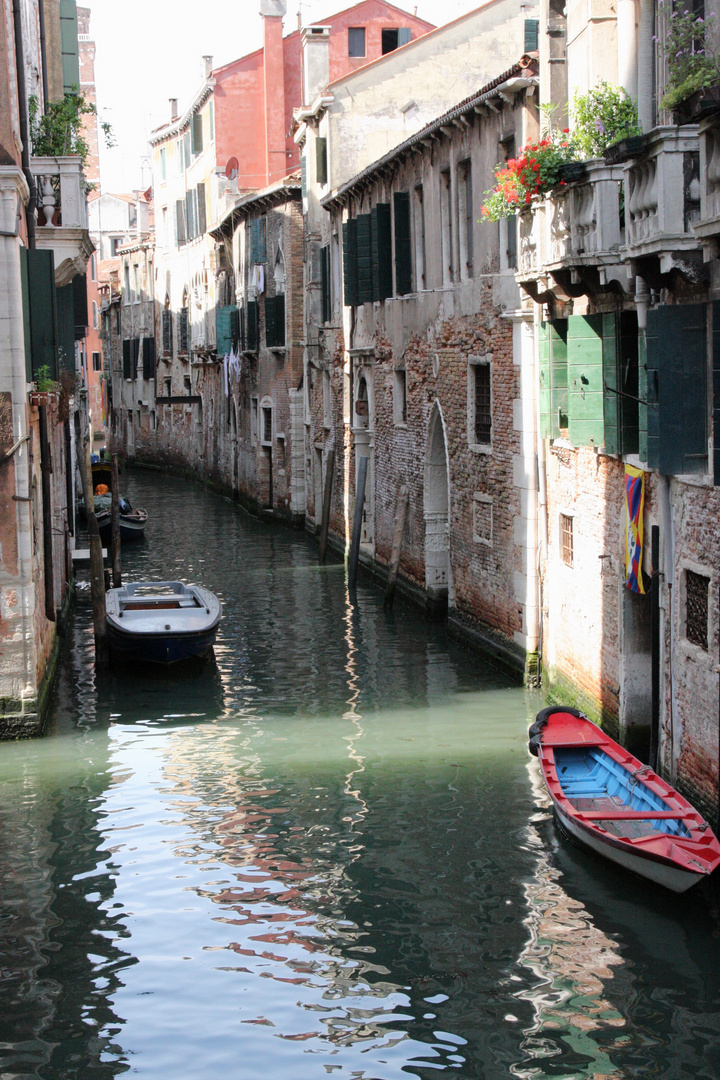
(45, 386)
(693, 86)
(605, 124)
(529, 176)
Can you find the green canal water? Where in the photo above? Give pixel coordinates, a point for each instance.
(328, 854)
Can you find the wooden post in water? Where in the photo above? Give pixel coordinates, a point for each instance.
(357, 523)
(327, 500)
(654, 646)
(115, 523)
(396, 547)
(97, 575)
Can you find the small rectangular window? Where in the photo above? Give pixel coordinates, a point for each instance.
(483, 404)
(465, 219)
(697, 588)
(419, 223)
(266, 424)
(446, 239)
(253, 419)
(399, 397)
(389, 40)
(96, 361)
(163, 163)
(566, 539)
(356, 41)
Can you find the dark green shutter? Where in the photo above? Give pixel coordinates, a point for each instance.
(148, 357)
(69, 46)
(252, 325)
(303, 176)
(187, 148)
(242, 338)
(558, 359)
(280, 318)
(532, 34)
(364, 258)
(716, 391)
(350, 278)
(270, 324)
(381, 252)
(585, 380)
(234, 328)
(167, 332)
(80, 306)
(197, 133)
(184, 332)
(403, 263)
(545, 396)
(66, 326)
(321, 161)
(202, 209)
(223, 329)
(180, 221)
(325, 313)
(27, 332)
(127, 359)
(257, 240)
(611, 402)
(135, 354)
(677, 372)
(42, 299)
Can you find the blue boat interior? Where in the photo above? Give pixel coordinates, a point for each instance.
(592, 780)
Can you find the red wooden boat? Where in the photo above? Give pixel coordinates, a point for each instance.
(608, 800)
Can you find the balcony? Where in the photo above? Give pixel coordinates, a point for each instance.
(62, 217)
(662, 198)
(707, 225)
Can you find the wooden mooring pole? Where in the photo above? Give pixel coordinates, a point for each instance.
(327, 500)
(357, 523)
(97, 571)
(400, 516)
(654, 647)
(115, 523)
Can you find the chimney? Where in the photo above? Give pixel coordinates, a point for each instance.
(316, 61)
(272, 12)
(173, 108)
(208, 66)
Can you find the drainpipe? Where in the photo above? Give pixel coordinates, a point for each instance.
(43, 55)
(669, 560)
(645, 87)
(542, 521)
(24, 128)
(627, 47)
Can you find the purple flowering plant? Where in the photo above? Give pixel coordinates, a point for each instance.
(686, 43)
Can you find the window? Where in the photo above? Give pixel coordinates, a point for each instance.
(266, 435)
(508, 226)
(167, 332)
(480, 401)
(148, 358)
(127, 283)
(180, 155)
(94, 315)
(419, 223)
(183, 332)
(465, 219)
(115, 242)
(132, 216)
(163, 163)
(187, 387)
(93, 268)
(446, 240)
(697, 588)
(566, 539)
(321, 161)
(253, 420)
(96, 361)
(167, 387)
(392, 39)
(403, 265)
(399, 397)
(356, 41)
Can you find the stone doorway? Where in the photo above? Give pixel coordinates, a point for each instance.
(437, 508)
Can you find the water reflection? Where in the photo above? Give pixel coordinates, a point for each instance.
(321, 855)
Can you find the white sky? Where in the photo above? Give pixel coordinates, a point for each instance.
(148, 51)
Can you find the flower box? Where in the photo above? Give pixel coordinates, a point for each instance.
(574, 170)
(42, 397)
(704, 102)
(624, 149)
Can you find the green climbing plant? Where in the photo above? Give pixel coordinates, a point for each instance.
(59, 131)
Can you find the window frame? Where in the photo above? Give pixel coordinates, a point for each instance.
(476, 361)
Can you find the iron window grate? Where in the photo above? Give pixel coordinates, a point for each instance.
(483, 412)
(566, 538)
(697, 588)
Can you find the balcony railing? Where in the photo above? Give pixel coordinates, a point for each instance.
(62, 216)
(707, 226)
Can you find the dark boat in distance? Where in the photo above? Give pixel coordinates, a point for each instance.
(132, 520)
(609, 801)
(161, 622)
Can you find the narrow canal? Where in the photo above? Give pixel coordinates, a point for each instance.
(326, 855)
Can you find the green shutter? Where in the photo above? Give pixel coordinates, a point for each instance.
(677, 337)
(223, 329)
(403, 262)
(364, 258)
(202, 209)
(612, 401)
(197, 133)
(257, 240)
(80, 307)
(303, 176)
(545, 395)
(234, 328)
(350, 278)
(127, 359)
(381, 251)
(167, 332)
(42, 297)
(558, 357)
(649, 416)
(585, 380)
(716, 391)
(135, 353)
(180, 221)
(270, 328)
(66, 326)
(326, 312)
(252, 325)
(69, 46)
(148, 357)
(532, 34)
(321, 161)
(280, 319)
(25, 292)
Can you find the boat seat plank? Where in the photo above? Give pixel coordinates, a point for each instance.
(634, 815)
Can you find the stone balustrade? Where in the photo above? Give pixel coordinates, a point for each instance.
(62, 215)
(707, 225)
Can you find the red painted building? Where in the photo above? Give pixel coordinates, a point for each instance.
(255, 95)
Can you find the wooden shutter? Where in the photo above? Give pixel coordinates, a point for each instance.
(186, 143)
(80, 307)
(280, 319)
(202, 209)
(585, 380)
(677, 389)
(321, 160)
(403, 263)
(135, 356)
(42, 301)
(545, 396)
(252, 325)
(404, 35)
(66, 327)
(167, 332)
(270, 327)
(258, 252)
(532, 34)
(558, 371)
(127, 359)
(223, 329)
(180, 221)
(183, 333)
(69, 46)
(716, 392)
(303, 176)
(364, 258)
(148, 357)
(326, 313)
(350, 278)
(234, 327)
(611, 398)
(197, 133)
(242, 333)
(381, 237)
